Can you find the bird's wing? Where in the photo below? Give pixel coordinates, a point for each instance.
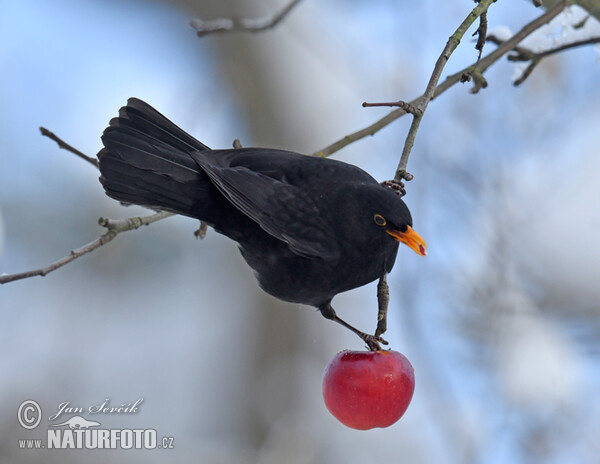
(283, 210)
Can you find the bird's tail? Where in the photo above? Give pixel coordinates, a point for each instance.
(145, 161)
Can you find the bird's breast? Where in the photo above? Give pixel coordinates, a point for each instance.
(312, 280)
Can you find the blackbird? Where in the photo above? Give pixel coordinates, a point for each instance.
(309, 227)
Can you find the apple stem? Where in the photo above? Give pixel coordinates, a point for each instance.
(383, 300)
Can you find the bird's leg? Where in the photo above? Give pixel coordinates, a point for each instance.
(372, 341)
(383, 299)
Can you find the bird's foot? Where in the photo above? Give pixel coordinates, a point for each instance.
(373, 342)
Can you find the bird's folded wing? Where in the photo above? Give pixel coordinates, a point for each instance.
(283, 210)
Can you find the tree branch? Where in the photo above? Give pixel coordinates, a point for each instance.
(415, 107)
(481, 34)
(591, 6)
(510, 44)
(62, 144)
(114, 228)
(241, 25)
(544, 54)
(451, 45)
(415, 111)
(525, 54)
(451, 80)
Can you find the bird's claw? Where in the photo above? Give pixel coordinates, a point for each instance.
(396, 185)
(373, 342)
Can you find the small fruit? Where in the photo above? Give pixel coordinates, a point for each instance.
(367, 389)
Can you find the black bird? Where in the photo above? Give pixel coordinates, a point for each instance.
(310, 228)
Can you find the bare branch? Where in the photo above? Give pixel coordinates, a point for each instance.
(481, 34)
(476, 76)
(115, 227)
(241, 25)
(451, 45)
(415, 107)
(512, 43)
(450, 81)
(525, 54)
(401, 103)
(527, 72)
(62, 144)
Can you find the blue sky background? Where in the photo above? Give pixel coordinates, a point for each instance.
(500, 320)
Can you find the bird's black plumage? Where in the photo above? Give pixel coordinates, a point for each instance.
(310, 228)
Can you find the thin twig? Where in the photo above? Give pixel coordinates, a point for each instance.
(420, 104)
(479, 82)
(450, 81)
(400, 103)
(241, 25)
(527, 72)
(481, 34)
(451, 45)
(512, 43)
(523, 54)
(62, 144)
(114, 228)
(475, 75)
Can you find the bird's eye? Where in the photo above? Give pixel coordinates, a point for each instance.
(379, 220)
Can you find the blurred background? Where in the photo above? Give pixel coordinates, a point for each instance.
(501, 321)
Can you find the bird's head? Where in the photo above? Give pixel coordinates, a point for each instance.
(390, 215)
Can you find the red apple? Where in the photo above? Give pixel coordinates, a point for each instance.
(368, 389)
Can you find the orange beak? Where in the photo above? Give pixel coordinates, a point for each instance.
(411, 239)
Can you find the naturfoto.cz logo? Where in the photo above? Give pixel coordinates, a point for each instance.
(78, 432)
